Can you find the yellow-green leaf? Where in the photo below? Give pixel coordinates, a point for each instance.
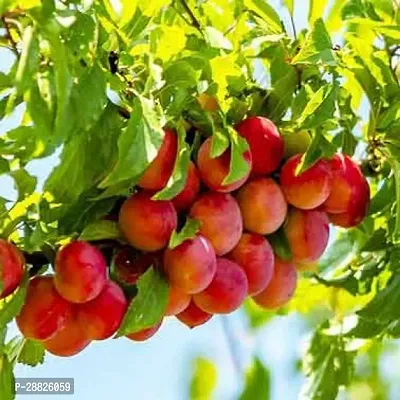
(317, 8)
(204, 379)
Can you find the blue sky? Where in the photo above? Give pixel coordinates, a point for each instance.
(160, 369)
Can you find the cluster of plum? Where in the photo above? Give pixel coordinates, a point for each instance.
(231, 257)
(212, 272)
(76, 305)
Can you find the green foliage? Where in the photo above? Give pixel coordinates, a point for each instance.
(11, 305)
(179, 175)
(101, 230)
(25, 351)
(138, 143)
(328, 364)
(258, 383)
(148, 306)
(204, 379)
(317, 48)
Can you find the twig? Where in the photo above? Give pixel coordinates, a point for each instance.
(293, 26)
(14, 45)
(232, 346)
(194, 20)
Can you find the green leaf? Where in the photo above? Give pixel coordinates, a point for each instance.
(394, 329)
(39, 111)
(217, 39)
(378, 241)
(204, 379)
(340, 251)
(366, 329)
(239, 167)
(258, 382)
(316, 10)
(5, 81)
(381, 200)
(189, 231)
(346, 281)
(63, 77)
(280, 244)
(80, 38)
(376, 64)
(149, 305)
(74, 217)
(7, 380)
(266, 12)
(177, 181)
(24, 182)
(395, 163)
(219, 141)
(180, 73)
(29, 60)
(101, 230)
(12, 305)
(88, 98)
(280, 97)
(290, 5)
(25, 351)
(383, 308)
(317, 47)
(319, 109)
(136, 25)
(85, 159)
(32, 353)
(334, 21)
(4, 166)
(138, 144)
(319, 148)
(327, 365)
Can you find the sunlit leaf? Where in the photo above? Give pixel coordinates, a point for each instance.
(290, 5)
(316, 10)
(101, 230)
(204, 379)
(266, 12)
(148, 306)
(189, 231)
(327, 365)
(317, 47)
(177, 181)
(138, 144)
(258, 382)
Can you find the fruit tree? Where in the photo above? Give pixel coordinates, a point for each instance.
(210, 156)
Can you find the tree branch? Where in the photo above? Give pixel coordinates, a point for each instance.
(195, 22)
